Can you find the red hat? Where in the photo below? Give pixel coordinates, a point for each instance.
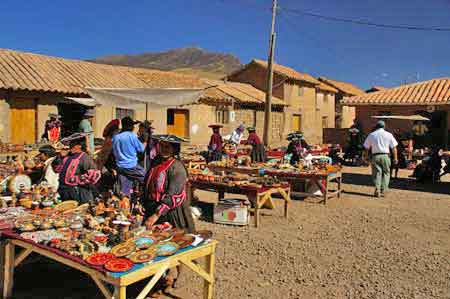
(111, 127)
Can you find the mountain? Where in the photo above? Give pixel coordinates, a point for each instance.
(189, 60)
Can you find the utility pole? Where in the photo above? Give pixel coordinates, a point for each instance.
(268, 109)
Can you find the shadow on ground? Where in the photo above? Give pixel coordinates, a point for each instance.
(399, 183)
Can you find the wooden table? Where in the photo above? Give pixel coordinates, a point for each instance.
(294, 178)
(120, 281)
(322, 181)
(259, 197)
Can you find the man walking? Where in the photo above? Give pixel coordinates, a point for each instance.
(126, 147)
(380, 143)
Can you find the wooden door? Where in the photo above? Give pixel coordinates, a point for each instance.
(23, 121)
(296, 122)
(178, 122)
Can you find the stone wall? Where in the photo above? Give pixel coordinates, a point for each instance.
(4, 121)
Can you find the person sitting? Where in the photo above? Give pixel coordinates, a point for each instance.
(258, 153)
(430, 168)
(354, 147)
(215, 144)
(126, 147)
(297, 147)
(165, 193)
(78, 173)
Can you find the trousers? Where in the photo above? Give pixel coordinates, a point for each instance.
(127, 177)
(381, 170)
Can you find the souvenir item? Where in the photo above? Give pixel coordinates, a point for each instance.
(144, 242)
(19, 182)
(184, 240)
(99, 259)
(166, 249)
(66, 205)
(142, 256)
(162, 236)
(123, 249)
(47, 203)
(86, 248)
(205, 234)
(119, 265)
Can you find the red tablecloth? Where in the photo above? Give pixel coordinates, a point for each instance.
(9, 234)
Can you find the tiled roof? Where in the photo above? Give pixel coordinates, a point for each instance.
(435, 91)
(283, 71)
(241, 92)
(347, 88)
(325, 87)
(34, 72)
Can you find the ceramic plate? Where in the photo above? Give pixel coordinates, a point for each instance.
(143, 256)
(144, 242)
(166, 249)
(123, 249)
(99, 259)
(162, 236)
(184, 240)
(119, 265)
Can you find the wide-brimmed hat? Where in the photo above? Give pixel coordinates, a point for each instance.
(89, 113)
(75, 139)
(145, 124)
(295, 136)
(169, 138)
(48, 150)
(251, 129)
(53, 115)
(215, 126)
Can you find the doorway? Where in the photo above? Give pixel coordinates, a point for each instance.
(23, 111)
(71, 115)
(296, 122)
(178, 122)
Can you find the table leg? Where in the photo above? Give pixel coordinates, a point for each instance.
(221, 195)
(256, 216)
(208, 289)
(325, 194)
(339, 186)
(7, 256)
(286, 203)
(120, 292)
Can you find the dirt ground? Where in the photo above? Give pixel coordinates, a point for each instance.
(356, 247)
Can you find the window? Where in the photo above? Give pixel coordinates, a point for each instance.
(325, 122)
(222, 115)
(296, 122)
(325, 99)
(301, 91)
(122, 112)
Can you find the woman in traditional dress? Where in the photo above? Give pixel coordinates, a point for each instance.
(166, 195)
(215, 144)
(78, 173)
(258, 153)
(297, 147)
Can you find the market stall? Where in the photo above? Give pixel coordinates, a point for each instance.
(322, 176)
(259, 192)
(104, 239)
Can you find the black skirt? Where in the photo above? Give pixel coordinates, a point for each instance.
(180, 217)
(258, 153)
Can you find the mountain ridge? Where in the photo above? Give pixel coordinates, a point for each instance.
(188, 60)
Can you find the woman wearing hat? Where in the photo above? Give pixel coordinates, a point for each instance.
(258, 153)
(78, 173)
(215, 144)
(297, 147)
(52, 131)
(165, 192)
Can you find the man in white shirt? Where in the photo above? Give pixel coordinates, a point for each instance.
(47, 154)
(236, 135)
(380, 143)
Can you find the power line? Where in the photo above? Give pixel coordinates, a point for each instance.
(362, 22)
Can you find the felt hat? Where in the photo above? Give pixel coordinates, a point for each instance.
(251, 129)
(48, 150)
(53, 115)
(75, 139)
(89, 113)
(215, 126)
(146, 124)
(169, 138)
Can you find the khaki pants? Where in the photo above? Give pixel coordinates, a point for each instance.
(381, 168)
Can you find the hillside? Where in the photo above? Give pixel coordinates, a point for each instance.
(185, 60)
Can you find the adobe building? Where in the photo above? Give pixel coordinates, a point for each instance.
(307, 100)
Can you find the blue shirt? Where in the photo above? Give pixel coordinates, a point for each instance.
(126, 145)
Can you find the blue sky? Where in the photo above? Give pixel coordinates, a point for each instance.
(361, 55)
